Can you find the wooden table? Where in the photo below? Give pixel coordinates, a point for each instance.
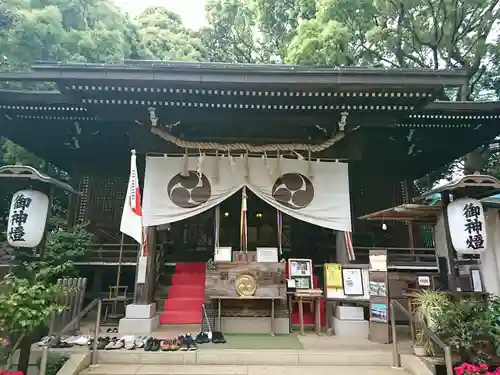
(300, 298)
(219, 300)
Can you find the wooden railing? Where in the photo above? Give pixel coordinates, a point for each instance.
(110, 253)
(401, 258)
(398, 258)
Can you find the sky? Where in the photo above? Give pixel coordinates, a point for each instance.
(192, 12)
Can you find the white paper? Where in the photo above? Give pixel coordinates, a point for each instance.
(267, 254)
(424, 281)
(353, 281)
(477, 285)
(338, 294)
(300, 267)
(141, 269)
(223, 254)
(378, 263)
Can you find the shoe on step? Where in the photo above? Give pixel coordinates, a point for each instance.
(183, 343)
(174, 346)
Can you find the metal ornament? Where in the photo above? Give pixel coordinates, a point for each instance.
(245, 285)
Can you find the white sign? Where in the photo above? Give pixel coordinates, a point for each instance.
(424, 281)
(223, 254)
(27, 218)
(142, 266)
(267, 254)
(467, 226)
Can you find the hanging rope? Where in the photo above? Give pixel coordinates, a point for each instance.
(275, 147)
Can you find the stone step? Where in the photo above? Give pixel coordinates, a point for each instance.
(242, 357)
(236, 370)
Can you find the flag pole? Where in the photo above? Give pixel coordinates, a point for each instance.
(243, 220)
(217, 228)
(120, 256)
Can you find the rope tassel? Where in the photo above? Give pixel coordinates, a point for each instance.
(216, 167)
(185, 167)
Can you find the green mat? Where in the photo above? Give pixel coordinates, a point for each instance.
(257, 341)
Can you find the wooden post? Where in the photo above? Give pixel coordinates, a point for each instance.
(380, 331)
(452, 269)
(143, 290)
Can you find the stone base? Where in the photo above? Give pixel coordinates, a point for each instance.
(139, 320)
(351, 329)
(132, 326)
(140, 311)
(254, 325)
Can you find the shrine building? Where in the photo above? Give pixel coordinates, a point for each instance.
(357, 138)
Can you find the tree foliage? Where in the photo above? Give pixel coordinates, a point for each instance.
(430, 34)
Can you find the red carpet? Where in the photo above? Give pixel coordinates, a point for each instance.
(185, 296)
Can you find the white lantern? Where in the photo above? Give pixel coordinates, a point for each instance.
(467, 226)
(27, 218)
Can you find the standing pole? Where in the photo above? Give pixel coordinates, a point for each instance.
(452, 270)
(279, 227)
(43, 242)
(243, 221)
(120, 257)
(217, 226)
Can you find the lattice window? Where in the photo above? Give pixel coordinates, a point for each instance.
(82, 203)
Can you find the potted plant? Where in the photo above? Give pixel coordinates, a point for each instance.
(419, 345)
(428, 303)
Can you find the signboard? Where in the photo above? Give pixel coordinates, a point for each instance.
(333, 276)
(27, 218)
(301, 271)
(467, 226)
(267, 254)
(223, 254)
(424, 281)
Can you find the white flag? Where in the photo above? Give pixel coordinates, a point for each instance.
(131, 223)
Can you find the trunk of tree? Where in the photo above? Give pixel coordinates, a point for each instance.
(24, 355)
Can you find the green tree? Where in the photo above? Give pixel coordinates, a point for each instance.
(165, 37)
(26, 304)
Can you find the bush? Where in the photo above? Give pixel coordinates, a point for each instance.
(465, 325)
(55, 361)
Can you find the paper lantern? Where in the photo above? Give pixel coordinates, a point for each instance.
(467, 226)
(27, 218)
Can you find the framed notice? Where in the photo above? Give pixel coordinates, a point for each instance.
(267, 254)
(301, 271)
(352, 279)
(223, 254)
(302, 282)
(476, 280)
(378, 262)
(333, 276)
(300, 267)
(424, 281)
(378, 312)
(378, 288)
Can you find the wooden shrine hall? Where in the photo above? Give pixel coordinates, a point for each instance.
(385, 124)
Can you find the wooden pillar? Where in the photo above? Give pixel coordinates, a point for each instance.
(142, 294)
(140, 316)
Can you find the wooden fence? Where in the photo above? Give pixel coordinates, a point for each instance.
(73, 301)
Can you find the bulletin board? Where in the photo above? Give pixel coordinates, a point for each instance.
(301, 271)
(335, 278)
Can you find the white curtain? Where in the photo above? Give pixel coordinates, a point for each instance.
(317, 193)
(321, 199)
